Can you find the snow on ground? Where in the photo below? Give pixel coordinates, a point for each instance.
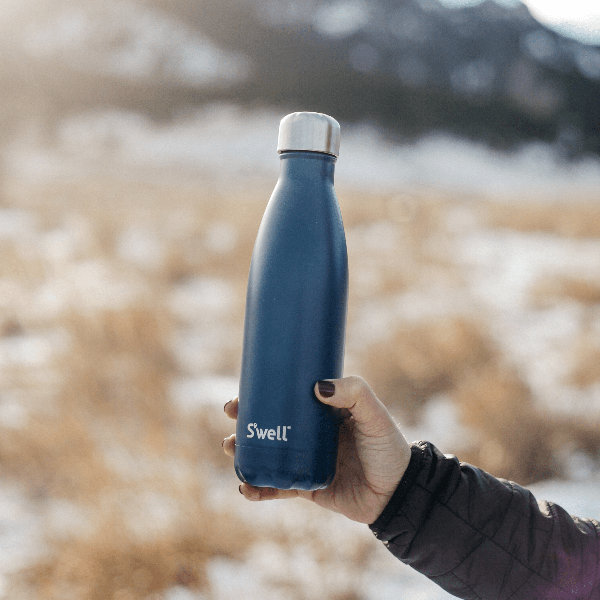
(127, 40)
(16, 224)
(191, 394)
(33, 350)
(503, 268)
(381, 576)
(228, 142)
(578, 498)
(203, 306)
(506, 264)
(500, 269)
(325, 555)
(21, 533)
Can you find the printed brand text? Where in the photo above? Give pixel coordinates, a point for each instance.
(279, 433)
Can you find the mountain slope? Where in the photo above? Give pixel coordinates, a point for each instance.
(412, 66)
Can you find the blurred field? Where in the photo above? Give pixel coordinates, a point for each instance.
(121, 313)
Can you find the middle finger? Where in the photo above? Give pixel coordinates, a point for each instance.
(231, 408)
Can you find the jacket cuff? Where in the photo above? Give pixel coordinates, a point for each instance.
(391, 509)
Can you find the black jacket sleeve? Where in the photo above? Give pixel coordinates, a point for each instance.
(480, 537)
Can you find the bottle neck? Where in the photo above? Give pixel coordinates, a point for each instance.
(304, 165)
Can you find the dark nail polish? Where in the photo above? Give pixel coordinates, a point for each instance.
(227, 404)
(240, 489)
(326, 388)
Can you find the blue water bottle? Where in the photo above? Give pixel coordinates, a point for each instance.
(295, 316)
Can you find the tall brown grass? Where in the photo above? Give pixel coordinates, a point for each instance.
(420, 360)
(549, 291)
(513, 437)
(586, 363)
(114, 406)
(578, 219)
(103, 431)
(112, 563)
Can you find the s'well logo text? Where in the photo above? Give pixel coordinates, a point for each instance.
(270, 434)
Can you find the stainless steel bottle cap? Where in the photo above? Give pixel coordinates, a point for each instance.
(309, 131)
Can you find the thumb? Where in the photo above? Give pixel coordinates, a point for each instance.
(355, 395)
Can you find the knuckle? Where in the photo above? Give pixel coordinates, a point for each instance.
(359, 388)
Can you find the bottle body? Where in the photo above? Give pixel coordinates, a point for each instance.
(294, 331)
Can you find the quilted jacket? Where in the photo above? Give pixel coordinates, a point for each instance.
(480, 537)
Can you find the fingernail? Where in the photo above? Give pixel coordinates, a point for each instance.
(326, 388)
(227, 404)
(240, 489)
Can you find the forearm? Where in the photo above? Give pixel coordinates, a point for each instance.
(482, 537)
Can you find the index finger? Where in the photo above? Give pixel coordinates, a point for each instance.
(231, 408)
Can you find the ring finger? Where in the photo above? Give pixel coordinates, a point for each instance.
(229, 445)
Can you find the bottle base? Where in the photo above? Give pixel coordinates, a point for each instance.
(284, 468)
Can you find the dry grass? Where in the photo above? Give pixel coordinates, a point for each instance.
(112, 436)
(107, 432)
(56, 456)
(408, 227)
(577, 433)
(513, 437)
(112, 563)
(586, 363)
(120, 365)
(549, 291)
(421, 360)
(576, 220)
(17, 266)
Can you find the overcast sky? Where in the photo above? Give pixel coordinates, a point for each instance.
(577, 18)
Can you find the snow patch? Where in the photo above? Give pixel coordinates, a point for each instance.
(182, 593)
(32, 350)
(13, 415)
(439, 424)
(141, 247)
(15, 224)
(220, 237)
(88, 285)
(341, 18)
(505, 263)
(503, 268)
(21, 539)
(193, 394)
(133, 41)
(578, 498)
(227, 142)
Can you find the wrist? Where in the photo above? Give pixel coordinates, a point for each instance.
(405, 482)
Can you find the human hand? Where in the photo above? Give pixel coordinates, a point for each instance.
(372, 454)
